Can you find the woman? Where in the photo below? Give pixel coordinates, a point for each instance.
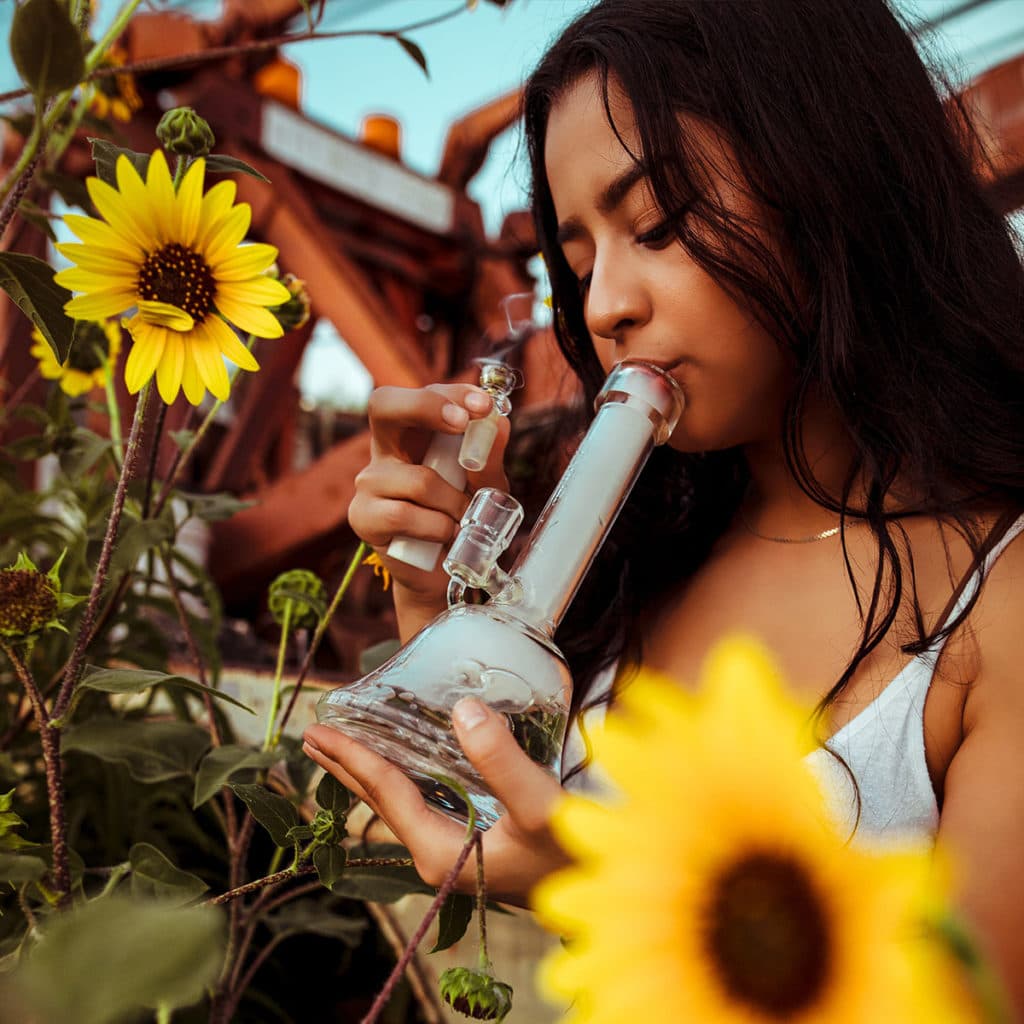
(769, 199)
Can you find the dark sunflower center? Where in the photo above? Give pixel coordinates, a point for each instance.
(179, 276)
(90, 340)
(768, 935)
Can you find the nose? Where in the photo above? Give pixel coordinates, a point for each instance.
(616, 300)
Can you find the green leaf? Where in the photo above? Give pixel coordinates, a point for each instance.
(105, 156)
(217, 164)
(329, 862)
(308, 918)
(380, 884)
(151, 751)
(214, 507)
(276, 814)
(46, 47)
(37, 217)
(85, 451)
(375, 656)
(72, 190)
(453, 919)
(182, 438)
(29, 282)
(16, 868)
(332, 796)
(222, 762)
(115, 957)
(414, 51)
(135, 539)
(136, 680)
(154, 877)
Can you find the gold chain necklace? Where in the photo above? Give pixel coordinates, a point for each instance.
(822, 535)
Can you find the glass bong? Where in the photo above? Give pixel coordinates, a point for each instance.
(503, 651)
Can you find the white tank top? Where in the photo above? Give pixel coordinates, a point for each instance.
(882, 747)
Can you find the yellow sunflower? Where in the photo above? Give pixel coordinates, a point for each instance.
(379, 568)
(176, 258)
(83, 369)
(713, 888)
(114, 95)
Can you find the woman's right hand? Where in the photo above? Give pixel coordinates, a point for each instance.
(397, 497)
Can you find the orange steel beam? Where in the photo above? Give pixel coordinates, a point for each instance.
(995, 103)
(339, 289)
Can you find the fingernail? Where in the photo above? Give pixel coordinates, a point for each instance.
(455, 415)
(478, 402)
(469, 713)
(307, 741)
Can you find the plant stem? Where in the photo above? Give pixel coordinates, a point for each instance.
(483, 958)
(271, 740)
(113, 412)
(154, 452)
(73, 670)
(442, 894)
(49, 738)
(259, 883)
(225, 52)
(321, 628)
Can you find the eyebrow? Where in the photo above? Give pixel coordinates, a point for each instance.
(610, 197)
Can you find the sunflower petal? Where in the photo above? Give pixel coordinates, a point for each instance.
(211, 366)
(100, 261)
(259, 291)
(164, 314)
(169, 369)
(118, 214)
(229, 344)
(95, 233)
(216, 204)
(191, 383)
(133, 192)
(145, 354)
(189, 203)
(253, 319)
(245, 262)
(99, 305)
(162, 199)
(225, 237)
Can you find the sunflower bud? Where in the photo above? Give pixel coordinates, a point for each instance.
(183, 132)
(30, 600)
(304, 591)
(294, 313)
(475, 994)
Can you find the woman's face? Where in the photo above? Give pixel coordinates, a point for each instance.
(644, 296)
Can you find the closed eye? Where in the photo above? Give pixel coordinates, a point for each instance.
(657, 237)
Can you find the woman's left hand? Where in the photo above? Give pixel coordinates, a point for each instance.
(519, 849)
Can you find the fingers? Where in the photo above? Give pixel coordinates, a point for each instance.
(527, 790)
(387, 790)
(441, 407)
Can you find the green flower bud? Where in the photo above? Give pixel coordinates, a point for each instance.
(475, 994)
(183, 132)
(304, 590)
(294, 313)
(30, 601)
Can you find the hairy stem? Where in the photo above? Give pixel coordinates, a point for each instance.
(483, 958)
(49, 738)
(73, 670)
(442, 894)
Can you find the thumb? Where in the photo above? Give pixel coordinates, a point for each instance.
(527, 790)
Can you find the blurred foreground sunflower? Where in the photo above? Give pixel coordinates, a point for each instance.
(714, 887)
(84, 369)
(176, 257)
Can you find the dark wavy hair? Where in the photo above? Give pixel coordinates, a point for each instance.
(909, 311)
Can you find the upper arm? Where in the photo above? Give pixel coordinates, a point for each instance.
(982, 824)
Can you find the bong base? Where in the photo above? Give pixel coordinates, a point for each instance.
(422, 744)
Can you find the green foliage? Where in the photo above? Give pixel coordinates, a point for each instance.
(105, 154)
(415, 52)
(46, 47)
(221, 164)
(154, 877)
(151, 954)
(273, 812)
(29, 282)
(453, 920)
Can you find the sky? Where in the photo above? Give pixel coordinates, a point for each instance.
(476, 56)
